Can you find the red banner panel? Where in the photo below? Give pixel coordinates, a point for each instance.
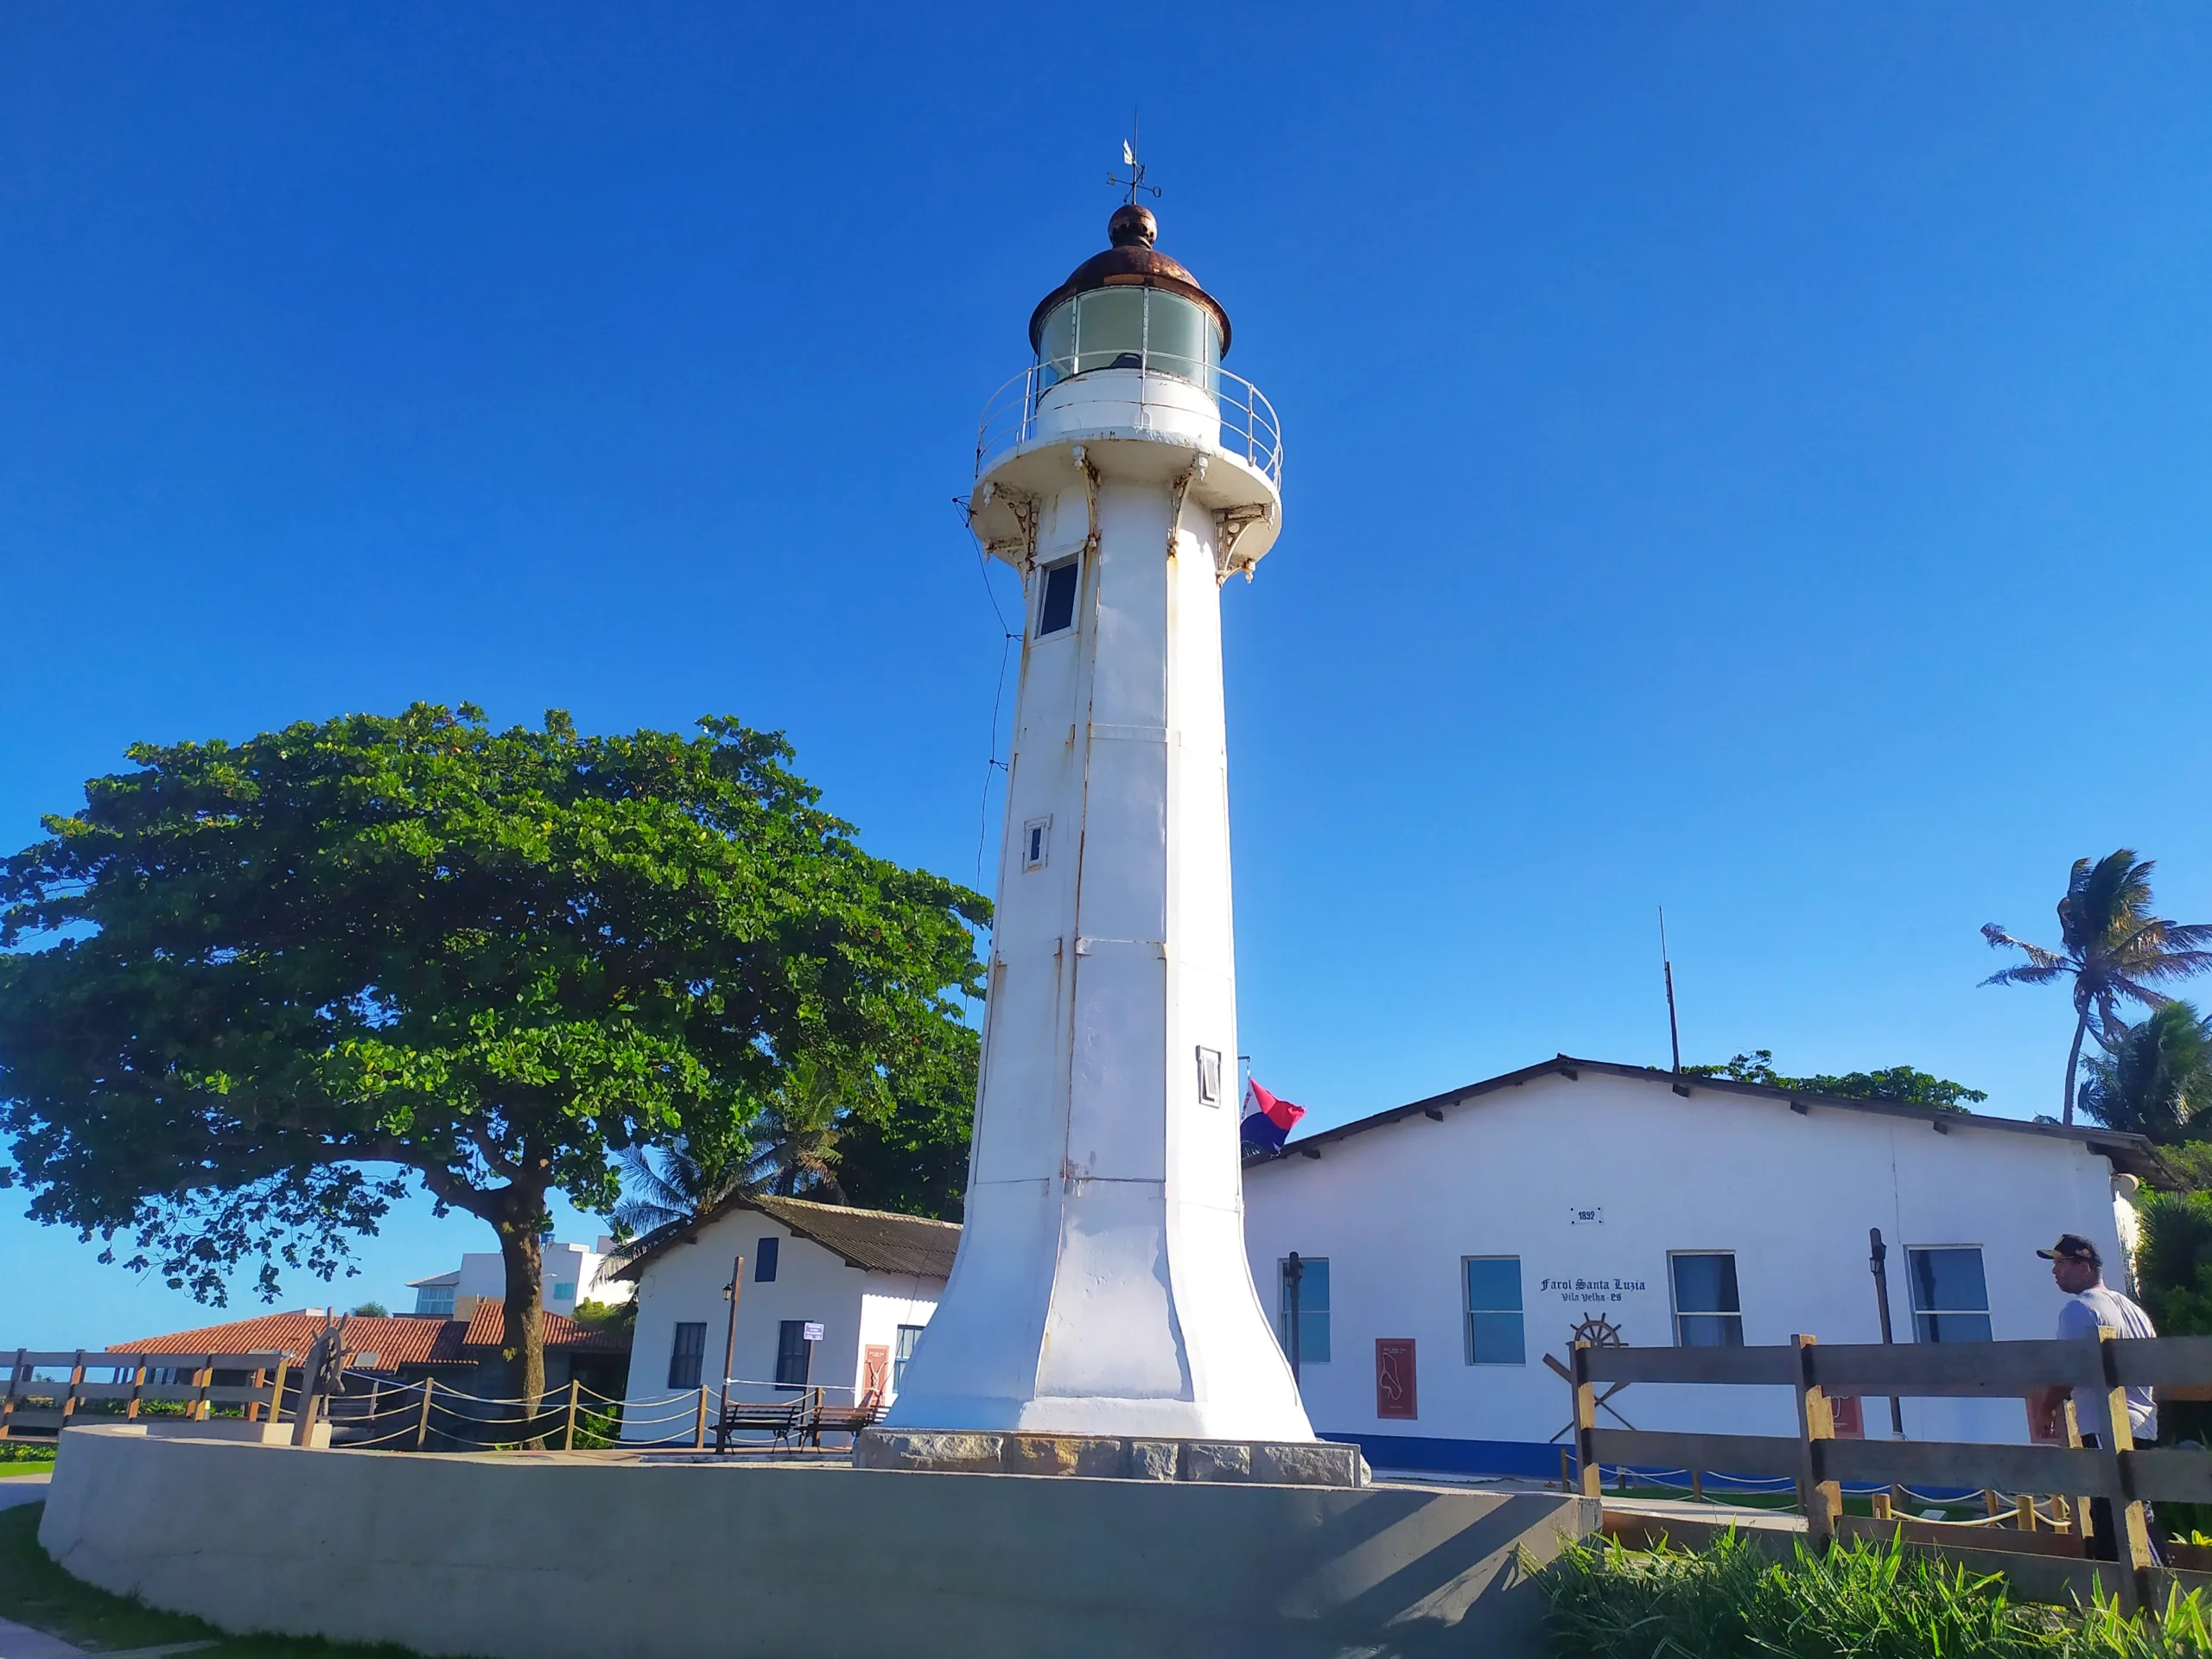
(1393, 1377)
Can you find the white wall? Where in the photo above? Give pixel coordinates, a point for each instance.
(1397, 1208)
(810, 1283)
(891, 1301)
(483, 1277)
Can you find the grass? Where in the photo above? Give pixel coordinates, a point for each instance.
(1858, 1601)
(36, 1592)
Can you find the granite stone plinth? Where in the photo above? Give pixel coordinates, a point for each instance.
(1259, 1462)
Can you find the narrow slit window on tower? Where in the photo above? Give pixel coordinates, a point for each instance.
(1208, 1077)
(1036, 843)
(1056, 611)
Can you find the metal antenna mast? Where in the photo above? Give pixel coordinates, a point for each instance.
(1667, 966)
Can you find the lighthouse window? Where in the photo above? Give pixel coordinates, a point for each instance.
(1129, 328)
(1109, 327)
(1036, 843)
(1174, 334)
(1056, 612)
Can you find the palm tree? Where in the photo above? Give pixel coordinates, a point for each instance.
(2112, 947)
(794, 1139)
(789, 1147)
(2155, 1076)
(686, 1182)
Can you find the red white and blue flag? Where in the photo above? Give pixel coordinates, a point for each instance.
(1270, 1120)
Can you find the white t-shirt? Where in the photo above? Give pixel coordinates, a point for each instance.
(2080, 1316)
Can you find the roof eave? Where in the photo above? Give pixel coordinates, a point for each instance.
(2132, 1155)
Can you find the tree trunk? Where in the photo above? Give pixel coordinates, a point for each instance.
(2074, 1061)
(522, 1336)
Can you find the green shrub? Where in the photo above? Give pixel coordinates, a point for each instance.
(2173, 1261)
(1860, 1600)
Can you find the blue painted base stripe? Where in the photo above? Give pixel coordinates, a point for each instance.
(1531, 1459)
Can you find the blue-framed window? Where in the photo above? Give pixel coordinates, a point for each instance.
(908, 1336)
(685, 1355)
(792, 1352)
(1495, 1336)
(1708, 1311)
(1950, 1296)
(1313, 1309)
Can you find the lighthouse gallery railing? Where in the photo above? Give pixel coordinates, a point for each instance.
(1249, 426)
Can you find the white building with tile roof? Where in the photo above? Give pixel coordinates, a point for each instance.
(866, 1280)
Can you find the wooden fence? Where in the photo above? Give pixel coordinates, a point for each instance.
(39, 1408)
(1818, 1462)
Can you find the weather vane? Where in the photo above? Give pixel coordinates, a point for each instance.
(1135, 180)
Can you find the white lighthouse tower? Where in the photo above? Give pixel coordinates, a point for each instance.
(1102, 1288)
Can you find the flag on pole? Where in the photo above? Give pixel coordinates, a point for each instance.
(1270, 1120)
(1129, 156)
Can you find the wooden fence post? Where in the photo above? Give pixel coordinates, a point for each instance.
(203, 1380)
(2131, 1535)
(276, 1391)
(423, 1422)
(699, 1427)
(138, 1384)
(1816, 1423)
(1585, 1422)
(569, 1436)
(2073, 1420)
(69, 1394)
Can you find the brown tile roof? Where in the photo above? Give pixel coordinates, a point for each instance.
(397, 1340)
(876, 1239)
(486, 1329)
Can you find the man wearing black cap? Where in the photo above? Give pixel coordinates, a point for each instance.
(2078, 1270)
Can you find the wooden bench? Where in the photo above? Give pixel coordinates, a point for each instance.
(787, 1422)
(845, 1420)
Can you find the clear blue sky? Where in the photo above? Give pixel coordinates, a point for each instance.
(1751, 458)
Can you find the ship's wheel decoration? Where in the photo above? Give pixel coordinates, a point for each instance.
(1599, 1331)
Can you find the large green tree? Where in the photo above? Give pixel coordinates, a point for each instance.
(2111, 947)
(255, 989)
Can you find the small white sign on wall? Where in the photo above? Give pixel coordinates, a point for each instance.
(1578, 1217)
(813, 1331)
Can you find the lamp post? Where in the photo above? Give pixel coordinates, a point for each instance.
(1878, 1263)
(1294, 1274)
(730, 1343)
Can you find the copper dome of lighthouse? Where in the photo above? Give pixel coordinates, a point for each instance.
(1131, 262)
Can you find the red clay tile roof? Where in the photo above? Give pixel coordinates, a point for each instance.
(486, 1330)
(395, 1340)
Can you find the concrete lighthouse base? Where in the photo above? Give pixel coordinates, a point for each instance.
(1266, 1463)
(582, 1555)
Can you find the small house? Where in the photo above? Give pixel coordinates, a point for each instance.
(829, 1296)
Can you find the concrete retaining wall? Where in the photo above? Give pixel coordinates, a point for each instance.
(537, 1557)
